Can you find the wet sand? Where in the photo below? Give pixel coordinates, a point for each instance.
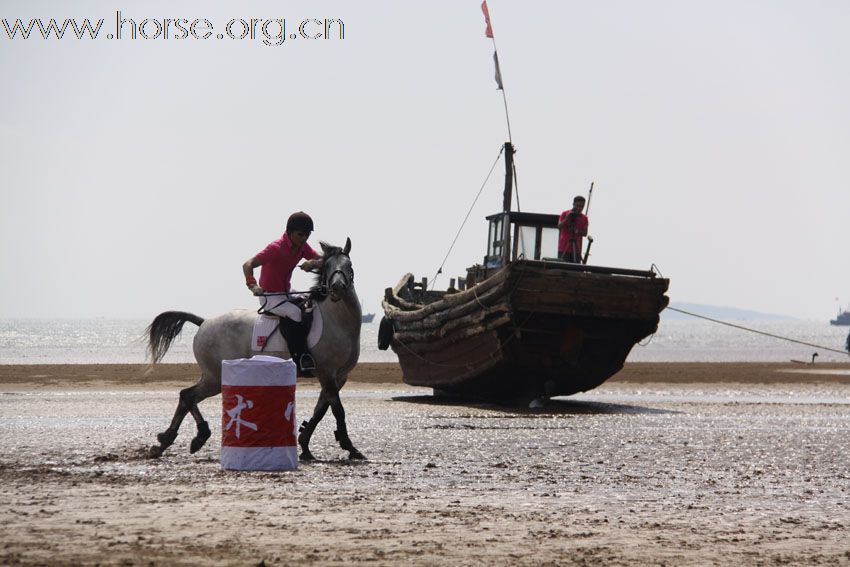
(682, 464)
(182, 375)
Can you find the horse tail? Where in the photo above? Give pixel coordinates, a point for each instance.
(164, 329)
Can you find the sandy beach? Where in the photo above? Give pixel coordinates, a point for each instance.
(680, 464)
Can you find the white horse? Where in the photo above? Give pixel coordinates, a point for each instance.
(228, 337)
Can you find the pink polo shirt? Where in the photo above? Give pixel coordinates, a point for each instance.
(278, 260)
(571, 241)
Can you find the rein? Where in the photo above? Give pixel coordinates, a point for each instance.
(318, 292)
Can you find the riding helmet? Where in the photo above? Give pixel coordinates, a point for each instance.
(300, 221)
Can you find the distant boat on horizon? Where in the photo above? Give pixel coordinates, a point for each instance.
(367, 317)
(842, 319)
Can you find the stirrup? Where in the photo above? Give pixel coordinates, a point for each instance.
(306, 362)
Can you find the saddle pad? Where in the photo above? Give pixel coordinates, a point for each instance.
(264, 325)
(316, 328)
(263, 337)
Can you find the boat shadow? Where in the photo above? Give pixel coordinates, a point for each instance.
(557, 406)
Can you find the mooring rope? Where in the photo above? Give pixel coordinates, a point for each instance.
(469, 212)
(755, 330)
(471, 365)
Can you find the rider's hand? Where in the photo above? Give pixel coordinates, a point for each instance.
(256, 290)
(309, 265)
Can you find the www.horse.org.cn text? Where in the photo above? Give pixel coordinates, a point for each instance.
(268, 31)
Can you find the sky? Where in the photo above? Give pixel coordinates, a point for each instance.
(137, 176)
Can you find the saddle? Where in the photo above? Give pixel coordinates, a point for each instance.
(273, 301)
(273, 332)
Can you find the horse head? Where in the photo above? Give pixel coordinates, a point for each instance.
(337, 275)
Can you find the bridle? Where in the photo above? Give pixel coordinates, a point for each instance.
(347, 277)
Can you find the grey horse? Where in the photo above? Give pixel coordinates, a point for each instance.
(228, 336)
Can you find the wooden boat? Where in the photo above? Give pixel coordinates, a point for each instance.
(523, 324)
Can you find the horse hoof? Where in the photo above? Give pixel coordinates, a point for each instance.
(306, 456)
(166, 439)
(155, 451)
(201, 438)
(304, 436)
(356, 455)
(197, 443)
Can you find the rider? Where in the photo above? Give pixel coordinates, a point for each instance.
(278, 261)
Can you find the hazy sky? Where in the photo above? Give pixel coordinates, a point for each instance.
(137, 176)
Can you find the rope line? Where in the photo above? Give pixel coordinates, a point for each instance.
(520, 327)
(475, 294)
(468, 365)
(466, 218)
(471, 365)
(755, 330)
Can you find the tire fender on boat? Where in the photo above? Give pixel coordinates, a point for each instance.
(385, 333)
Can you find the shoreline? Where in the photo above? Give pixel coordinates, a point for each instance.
(184, 374)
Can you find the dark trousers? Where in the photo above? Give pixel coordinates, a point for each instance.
(295, 334)
(573, 257)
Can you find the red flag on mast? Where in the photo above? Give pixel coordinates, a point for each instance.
(489, 31)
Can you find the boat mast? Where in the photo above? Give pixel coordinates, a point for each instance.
(506, 203)
(509, 176)
(509, 148)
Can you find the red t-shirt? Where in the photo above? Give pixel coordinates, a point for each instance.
(278, 260)
(567, 239)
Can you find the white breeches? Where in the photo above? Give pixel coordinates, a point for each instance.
(278, 305)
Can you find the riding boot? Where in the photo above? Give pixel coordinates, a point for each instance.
(295, 334)
(308, 363)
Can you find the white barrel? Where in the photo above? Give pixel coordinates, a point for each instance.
(258, 426)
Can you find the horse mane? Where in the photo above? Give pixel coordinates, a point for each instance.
(317, 293)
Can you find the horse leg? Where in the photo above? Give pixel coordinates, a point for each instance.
(200, 392)
(167, 437)
(341, 432)
(305, 432)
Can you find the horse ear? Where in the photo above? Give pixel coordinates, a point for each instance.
(347, 248)
(325, 247)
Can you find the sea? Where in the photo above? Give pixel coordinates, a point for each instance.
(120, 341)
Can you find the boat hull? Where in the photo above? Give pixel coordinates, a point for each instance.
(532, 329)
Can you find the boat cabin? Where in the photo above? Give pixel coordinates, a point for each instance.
(515, 235)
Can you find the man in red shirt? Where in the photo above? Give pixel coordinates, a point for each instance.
(278, 261)
(572, 227)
